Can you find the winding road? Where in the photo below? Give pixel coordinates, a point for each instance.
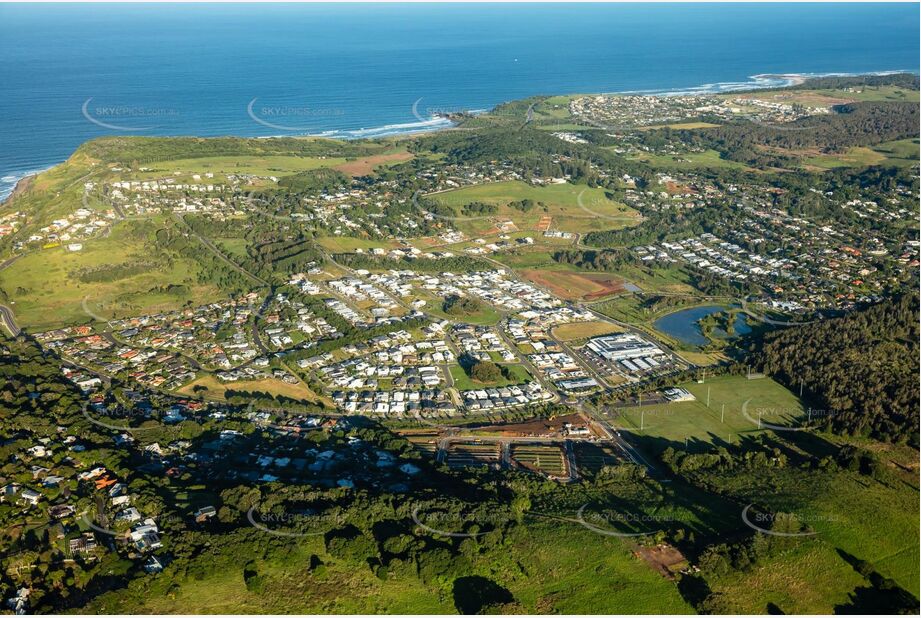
(6, 313)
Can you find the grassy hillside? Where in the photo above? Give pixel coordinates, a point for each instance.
(546, 567)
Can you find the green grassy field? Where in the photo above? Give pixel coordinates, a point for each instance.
(531, 258)
(669, 280)
(45, 290)
(486, 315)
(517, 375)
(701, 426)
(555, 108)
(903, 152)
(900, 152)
(546, 567)
(843, 508)
(854, 157)
(259, 166)
(811, 579)
(690, 160)
(873, 93)
(233, 247)
(853, 509)
(560, 203)
(846, 510)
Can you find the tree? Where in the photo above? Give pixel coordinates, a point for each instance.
(460, 305)
(485, 371)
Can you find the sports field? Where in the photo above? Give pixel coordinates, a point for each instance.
(699, 424)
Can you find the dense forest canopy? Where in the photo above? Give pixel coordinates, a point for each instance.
(861, 369)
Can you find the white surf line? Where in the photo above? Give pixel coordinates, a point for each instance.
(437, 118)
(415, 110)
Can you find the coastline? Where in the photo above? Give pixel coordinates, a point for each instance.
(12, 183)
(22, 185)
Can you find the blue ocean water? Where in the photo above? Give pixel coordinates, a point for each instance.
(73, 72)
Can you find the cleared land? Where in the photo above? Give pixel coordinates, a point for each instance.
(559, 201)
(424, 442)
(859, 156)
(584, 330)
(472, 454)
(900, 152)
(260, 166)
(691, 160)
(367, 165)
(871, 93)
(576, 285)
(553, 427)
(544, 458)
(592, 457)
(217, 389)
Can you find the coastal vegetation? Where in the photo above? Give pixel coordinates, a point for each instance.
(352, 376)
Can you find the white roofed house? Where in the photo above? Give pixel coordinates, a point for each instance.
(30, 496)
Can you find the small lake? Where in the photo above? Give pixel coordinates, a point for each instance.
(682, 325)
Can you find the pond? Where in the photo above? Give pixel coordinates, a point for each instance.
(682, 325)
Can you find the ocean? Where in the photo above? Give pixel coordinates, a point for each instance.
(70, 73)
